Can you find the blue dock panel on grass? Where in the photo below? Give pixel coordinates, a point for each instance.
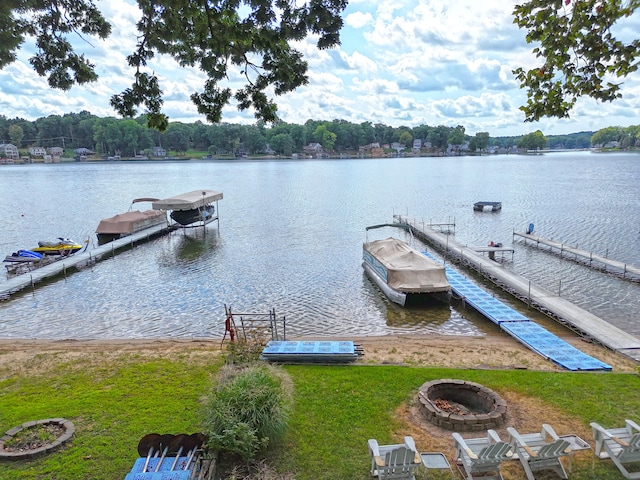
(520, 327)
(311, 351)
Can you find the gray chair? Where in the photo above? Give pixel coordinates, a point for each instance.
(621, 445)
(394, 462)
(540, 451)
(481, 456)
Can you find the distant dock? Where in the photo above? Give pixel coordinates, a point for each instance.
(579, 320)
(587, 258)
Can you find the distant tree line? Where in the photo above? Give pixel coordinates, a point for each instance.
(129, 137)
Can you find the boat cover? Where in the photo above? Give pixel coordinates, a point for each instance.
(188, 201)
(407, 269)
(130, 222)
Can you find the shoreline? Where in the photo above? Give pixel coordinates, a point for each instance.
(442, 351)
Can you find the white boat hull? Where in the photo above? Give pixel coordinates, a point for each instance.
(393, 295)
(404, 275)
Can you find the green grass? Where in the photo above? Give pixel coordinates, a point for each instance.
(336, 410)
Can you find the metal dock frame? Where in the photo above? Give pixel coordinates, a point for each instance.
(584, 323)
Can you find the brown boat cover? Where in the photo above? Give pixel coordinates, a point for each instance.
(408, 270)
(131, 222)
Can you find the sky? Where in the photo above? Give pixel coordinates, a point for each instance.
(400, 63)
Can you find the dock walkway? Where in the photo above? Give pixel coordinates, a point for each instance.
(80, 259)
(522, 328)
(583, 322)
(591, 257)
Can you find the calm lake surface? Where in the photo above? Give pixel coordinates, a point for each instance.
(290, 239)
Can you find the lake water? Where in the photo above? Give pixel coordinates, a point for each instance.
(290, 239)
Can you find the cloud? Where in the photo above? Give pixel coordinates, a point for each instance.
(358, 19)
(400, 62)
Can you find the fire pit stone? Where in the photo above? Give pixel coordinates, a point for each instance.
(462, 406)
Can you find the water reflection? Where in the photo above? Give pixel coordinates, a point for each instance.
(432, 316)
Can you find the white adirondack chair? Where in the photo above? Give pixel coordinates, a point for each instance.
(621, 445)
(540, 451)
(481, 455)
(394, 462)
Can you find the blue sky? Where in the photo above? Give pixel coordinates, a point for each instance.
(401, 62)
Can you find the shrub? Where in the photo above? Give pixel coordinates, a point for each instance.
(247, 410)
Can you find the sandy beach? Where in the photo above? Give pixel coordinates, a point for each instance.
(483, 352)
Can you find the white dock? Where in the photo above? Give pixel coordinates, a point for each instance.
(80, 259)
(591, 257)
(583, 322)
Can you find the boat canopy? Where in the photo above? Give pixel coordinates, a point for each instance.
(129, 222)
(408, 270)
(188, 201)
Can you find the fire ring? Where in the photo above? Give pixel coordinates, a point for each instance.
(461, 406)
(68, 431)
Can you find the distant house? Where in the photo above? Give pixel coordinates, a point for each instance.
(56, 151)
(313, 149)
(83, 151)
(8, 150)
(417, 144)
(398, 147)
(37, 151)
(369, 147)
(159, 152)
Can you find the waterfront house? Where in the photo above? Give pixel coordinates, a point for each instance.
(56, 151)
(10, 151)
(314, 150)
(37, 151)
(159, 152)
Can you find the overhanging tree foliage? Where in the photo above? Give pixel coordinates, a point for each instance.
(579, 54)
(253, 35)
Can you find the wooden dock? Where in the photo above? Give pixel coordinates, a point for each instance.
(78, 260)
(587, 258)
(581, 321)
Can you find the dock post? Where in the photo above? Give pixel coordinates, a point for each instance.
(529, 299)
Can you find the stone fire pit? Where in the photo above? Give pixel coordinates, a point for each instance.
(461, 406)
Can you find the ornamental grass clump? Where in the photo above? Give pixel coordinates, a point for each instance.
(247, 410)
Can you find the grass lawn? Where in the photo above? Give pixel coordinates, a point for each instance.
(114, 401)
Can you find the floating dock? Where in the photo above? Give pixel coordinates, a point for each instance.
(587, 258)
(77, 260)
(581, 321)
(522, 328)
(495, 206)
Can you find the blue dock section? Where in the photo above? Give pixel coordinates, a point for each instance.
(311, 352)
(520, 327)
